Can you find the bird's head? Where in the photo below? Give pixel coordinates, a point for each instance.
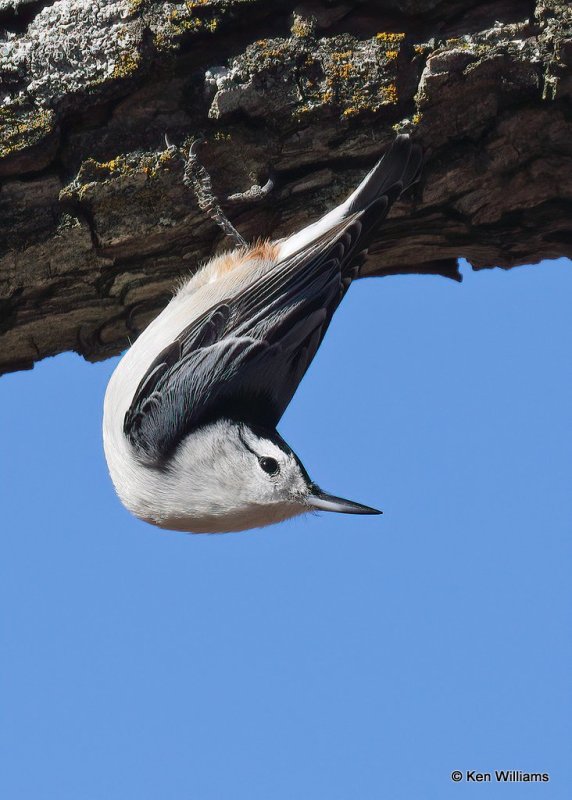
(233, 475)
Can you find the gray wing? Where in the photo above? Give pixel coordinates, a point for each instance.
(245, 357)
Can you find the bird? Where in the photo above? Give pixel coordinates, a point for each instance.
(191, 410)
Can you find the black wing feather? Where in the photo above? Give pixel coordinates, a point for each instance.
(245, 357)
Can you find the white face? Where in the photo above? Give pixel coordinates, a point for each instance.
(274, 473)
(227, 477)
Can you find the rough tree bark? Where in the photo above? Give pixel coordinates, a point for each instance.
(95, 223)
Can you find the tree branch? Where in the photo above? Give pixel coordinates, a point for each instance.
(96, 224)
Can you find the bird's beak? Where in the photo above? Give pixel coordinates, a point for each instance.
(327, 502)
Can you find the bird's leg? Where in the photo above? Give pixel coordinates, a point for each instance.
(196, 177)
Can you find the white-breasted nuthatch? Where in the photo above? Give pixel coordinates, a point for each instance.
(191, 410)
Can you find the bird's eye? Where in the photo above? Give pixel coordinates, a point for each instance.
(269, 465)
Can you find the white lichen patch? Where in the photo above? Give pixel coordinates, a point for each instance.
(73, 45)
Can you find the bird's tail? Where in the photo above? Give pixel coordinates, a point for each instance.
(395, 171)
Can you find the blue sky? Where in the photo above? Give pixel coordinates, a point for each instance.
(332, 656)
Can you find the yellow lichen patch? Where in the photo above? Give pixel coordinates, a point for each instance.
(183, 20)
(390, 44)
(136, 5)
(348, 83)
(93, 174)
(127, 64)
(271, 55)
(302, 26)
(182, 24)
(109, 169)
(390, 38)
(20, 129)
(191, 16)
(340, 68)
(301, 111)
(166, 157)
(162, 42)
(347, 54)
(389, 94)
(268, 55)
(462, 44)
